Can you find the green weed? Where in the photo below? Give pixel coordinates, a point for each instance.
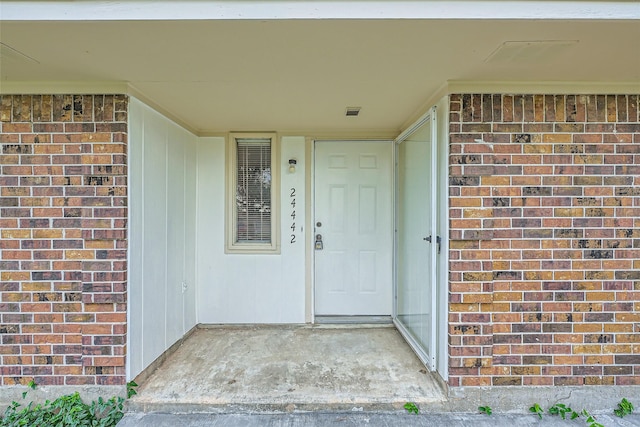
(131, 389)
(485, 409)
(624, 408)
(411, 408)
(563, 410)
(591, 420)
(536, 409)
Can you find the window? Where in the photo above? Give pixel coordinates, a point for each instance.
(252, 214)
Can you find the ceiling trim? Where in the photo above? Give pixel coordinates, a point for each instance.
(318, 9)
(108, 88)
(328, 135)
(60, 88)
(557, 88)
(452, 86)
(93, 88)
(324, 134)
(135, 93)
(432, 100)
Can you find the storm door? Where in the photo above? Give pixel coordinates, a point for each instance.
(416, 241)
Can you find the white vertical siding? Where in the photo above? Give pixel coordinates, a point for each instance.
(190, 191)
(161, 234)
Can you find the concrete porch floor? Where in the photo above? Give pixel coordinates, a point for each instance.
(288, 368)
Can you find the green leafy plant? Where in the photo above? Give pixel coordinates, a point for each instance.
(31, 385)
(485, 409)
(563, 410)
(624, 408)
(411, 408)
(591, 420)
(67, 410)
(131, 389)
(536, 409)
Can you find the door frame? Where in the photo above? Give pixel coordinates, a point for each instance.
(429, 360)
(311, 208)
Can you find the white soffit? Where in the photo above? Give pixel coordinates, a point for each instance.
(200, 73)
(266, 10)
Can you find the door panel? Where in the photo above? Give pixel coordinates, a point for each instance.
(353, 214)
(416, 240)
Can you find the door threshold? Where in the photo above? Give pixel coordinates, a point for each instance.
(353, 320)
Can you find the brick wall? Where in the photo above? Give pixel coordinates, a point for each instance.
(63, 219)
(545, 249)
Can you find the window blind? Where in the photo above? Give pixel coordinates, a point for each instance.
(253, 190)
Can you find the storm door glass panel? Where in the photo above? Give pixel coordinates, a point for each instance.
(253, 191)
(413, 284)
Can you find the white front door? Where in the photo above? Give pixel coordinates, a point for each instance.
(353, 228)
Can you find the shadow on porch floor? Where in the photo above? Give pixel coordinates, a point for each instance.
(287, 368)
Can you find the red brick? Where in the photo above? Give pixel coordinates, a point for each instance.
(586, 206)
(58, 134)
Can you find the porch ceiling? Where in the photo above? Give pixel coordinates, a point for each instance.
(291, 75)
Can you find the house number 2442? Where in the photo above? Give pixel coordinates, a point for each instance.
(292, 197)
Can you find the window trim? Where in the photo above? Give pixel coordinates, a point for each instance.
(231, 246)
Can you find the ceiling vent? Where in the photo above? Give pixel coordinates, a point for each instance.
(352, 111)
(529, 51)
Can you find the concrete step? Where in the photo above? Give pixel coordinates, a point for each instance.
(362, 419)
(315, 403)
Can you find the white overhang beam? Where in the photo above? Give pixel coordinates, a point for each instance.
(347, 9)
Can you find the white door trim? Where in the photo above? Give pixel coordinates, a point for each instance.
(310, 312)
(435, 238)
